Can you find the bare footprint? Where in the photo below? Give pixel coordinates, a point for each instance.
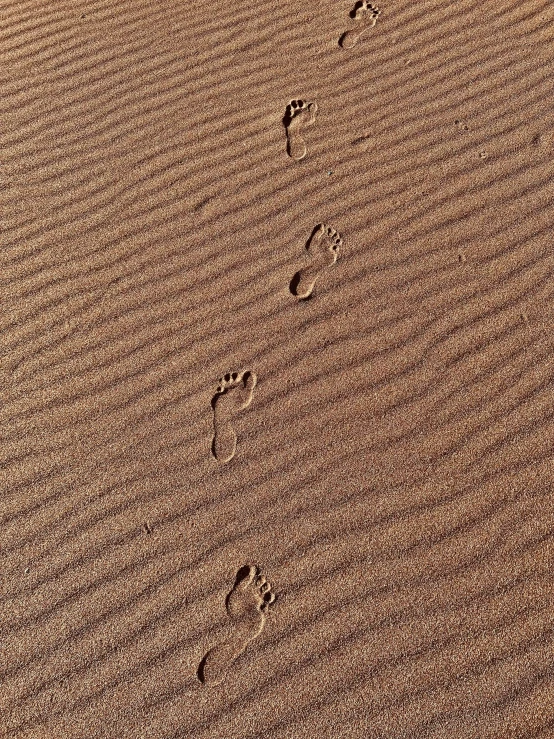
(365, 14)
(247, 605)
(323, 247)
(298, 116)
(233, 395)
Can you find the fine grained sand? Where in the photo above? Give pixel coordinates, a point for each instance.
(385, 463)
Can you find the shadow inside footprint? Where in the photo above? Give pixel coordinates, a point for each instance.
(241, 576)
(293, 287)
(357, 6)
(287, 118)
(200, 671)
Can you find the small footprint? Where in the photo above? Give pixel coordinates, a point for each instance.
(298, 116)
(366, 16)
(323, 247)
(233, 395)
(247, 605)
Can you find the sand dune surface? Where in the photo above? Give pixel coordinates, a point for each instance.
(276, 369)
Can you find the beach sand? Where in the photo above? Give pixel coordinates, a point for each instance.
(276, 370)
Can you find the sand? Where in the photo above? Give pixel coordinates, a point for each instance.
(276, 370)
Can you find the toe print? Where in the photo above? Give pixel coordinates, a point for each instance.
(234, 394)
(365, 14)
(269, 598)
(323, 248)
(247, 606)
(299, 115)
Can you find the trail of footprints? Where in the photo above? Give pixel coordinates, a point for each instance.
(249, 600)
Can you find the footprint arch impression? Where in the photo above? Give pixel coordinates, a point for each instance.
(247, 606)
(299, 116)
(323, 249)
(234, 394)
(365, 14)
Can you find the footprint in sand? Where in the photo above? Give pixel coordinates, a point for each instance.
(365, 14)
(323, 247)
(233, 395)
(247, 605)
(298, 116)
